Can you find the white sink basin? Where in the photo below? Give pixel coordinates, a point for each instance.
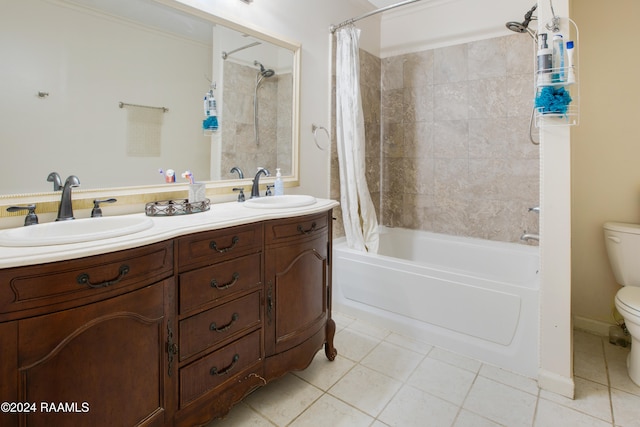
(280, 202)
(74, 231)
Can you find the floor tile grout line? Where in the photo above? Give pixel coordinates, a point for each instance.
(466, 396)
(606, 367)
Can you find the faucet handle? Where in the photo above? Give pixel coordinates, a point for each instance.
(31, 218)
(269, 187)
(96, 212)
(241, 197)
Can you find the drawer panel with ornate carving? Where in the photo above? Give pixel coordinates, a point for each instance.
(204, 286)
(214, 246)
(213, 326)
(213, 370)
(65, 284)
(283, 230)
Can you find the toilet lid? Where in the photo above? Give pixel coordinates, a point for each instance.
(629, 298)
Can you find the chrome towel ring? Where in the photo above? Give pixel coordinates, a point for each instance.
(314, 130)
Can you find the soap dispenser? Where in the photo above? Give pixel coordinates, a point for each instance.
(279, 185)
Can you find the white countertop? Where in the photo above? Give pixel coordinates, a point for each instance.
(220, 215)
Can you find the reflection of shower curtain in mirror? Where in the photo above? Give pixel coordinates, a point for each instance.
(144, 126)
(358, 213)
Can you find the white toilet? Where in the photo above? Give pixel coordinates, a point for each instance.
(623, 246)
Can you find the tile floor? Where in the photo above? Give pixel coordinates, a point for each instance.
(383, 379)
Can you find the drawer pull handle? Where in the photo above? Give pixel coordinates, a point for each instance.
(226, 327)
(84, 279)
(225, 371)
(234, 242)
(214, 282)
(310, 230)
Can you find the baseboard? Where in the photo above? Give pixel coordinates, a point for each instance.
(596, 327)
(555, 383)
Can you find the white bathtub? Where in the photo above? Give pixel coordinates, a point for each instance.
(475, 297)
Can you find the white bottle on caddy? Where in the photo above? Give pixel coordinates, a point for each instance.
(544, 61)
(278, 184)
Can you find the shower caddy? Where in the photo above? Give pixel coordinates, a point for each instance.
(572, 116)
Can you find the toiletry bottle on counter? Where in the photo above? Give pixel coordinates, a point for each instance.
(279, 185)
(544, 61)
(558, 59)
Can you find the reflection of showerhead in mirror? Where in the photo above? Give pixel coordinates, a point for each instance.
(265, 72)
(523, 27)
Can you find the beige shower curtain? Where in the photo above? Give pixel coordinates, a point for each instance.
(358, 213)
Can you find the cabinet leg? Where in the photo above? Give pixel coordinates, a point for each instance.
(329, 350)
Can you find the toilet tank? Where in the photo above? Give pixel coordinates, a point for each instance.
(623, 246)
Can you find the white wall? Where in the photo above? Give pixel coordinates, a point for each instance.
(429, 24)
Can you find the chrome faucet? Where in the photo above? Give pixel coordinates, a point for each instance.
(238, 170)
(65, 210)
(255, 189)
(528, 236)
(55, 178)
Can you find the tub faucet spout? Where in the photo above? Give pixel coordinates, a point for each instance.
(529, 236)
(65, 210)
(255, 189)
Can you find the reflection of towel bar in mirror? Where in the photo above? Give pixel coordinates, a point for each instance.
(124, 104)
(314, 130)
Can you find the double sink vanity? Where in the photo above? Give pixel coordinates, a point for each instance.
(152, 320)
(138, 320)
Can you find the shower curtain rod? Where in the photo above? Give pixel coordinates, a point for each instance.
(333, 28)
(225, 55)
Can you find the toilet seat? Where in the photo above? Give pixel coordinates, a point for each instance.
(629, 300)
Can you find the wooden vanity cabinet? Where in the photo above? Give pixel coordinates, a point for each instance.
(251, 310)
(89, 344)
(298, 292)
(170, 334)
(220, 311)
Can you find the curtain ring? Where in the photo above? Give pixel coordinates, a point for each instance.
(314, 130)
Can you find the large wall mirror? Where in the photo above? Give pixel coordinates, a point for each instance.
(113, 91)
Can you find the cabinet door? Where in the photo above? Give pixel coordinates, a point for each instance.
(296, 291)
(103, 364)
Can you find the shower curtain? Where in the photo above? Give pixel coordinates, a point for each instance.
(358, 213)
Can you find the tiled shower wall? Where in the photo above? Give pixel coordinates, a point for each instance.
(239, 146)
(448, 146)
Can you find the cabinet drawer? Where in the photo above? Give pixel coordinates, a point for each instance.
(284, 230)
(214, 246)
(217, 324)
(69, 283)
(206, 285)
(218, 367)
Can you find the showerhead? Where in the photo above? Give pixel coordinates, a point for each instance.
(523, 27)
(516, 26)
(265, 72)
